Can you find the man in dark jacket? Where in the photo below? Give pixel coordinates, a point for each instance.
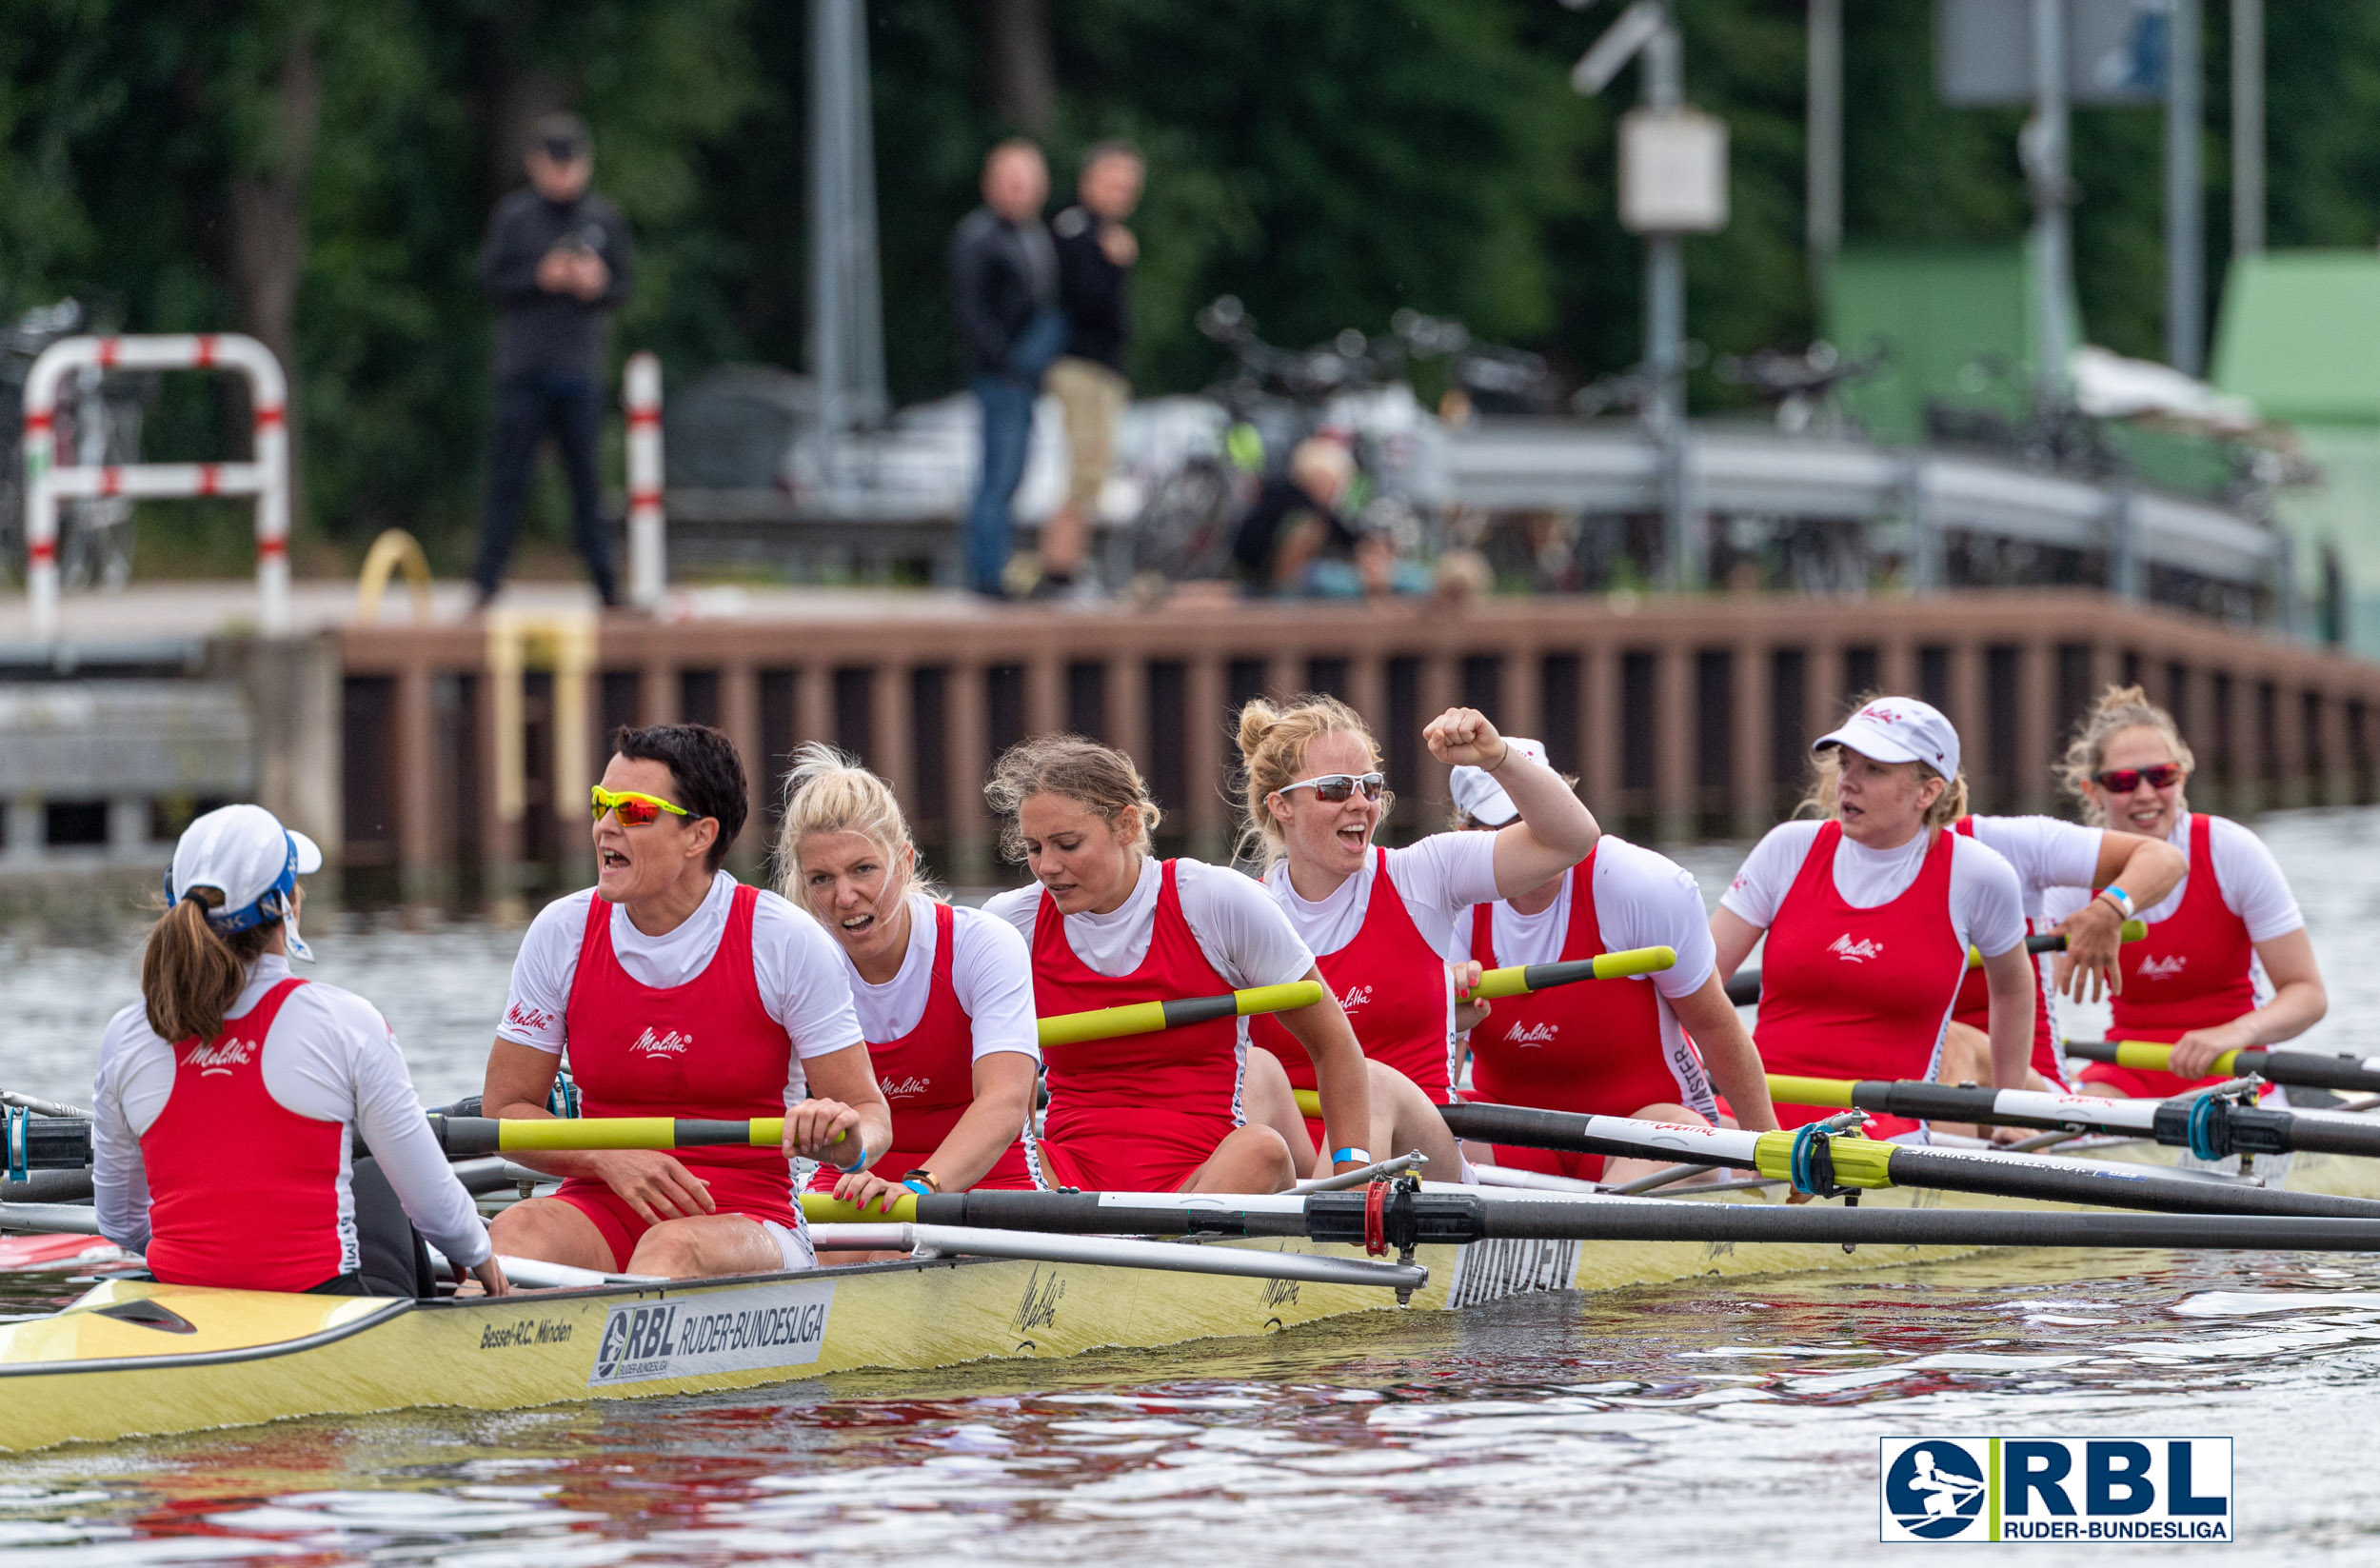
(557, 261)
(1095, 256)
(1003, 279)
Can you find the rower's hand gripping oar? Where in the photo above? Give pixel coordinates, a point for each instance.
(1743, 988)
(2303, 1069)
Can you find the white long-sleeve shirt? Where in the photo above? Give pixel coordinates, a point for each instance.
(330, 1057)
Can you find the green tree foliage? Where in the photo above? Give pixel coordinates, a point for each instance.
(1329, 163)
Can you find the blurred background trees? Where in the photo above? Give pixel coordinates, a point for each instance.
(318, 171)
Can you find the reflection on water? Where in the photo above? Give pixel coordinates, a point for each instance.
(1679, 1424)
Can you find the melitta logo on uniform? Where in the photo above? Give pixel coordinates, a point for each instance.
(670, 1043)
(217, 1060)
(1857, 952)
(2162, 966)
(1533, 1034)
(521, 1016)
(2087, 1490)
(756, 1328)
(1357, 996)
(899, 1088)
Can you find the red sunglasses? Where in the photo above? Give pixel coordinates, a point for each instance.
(2122, 781)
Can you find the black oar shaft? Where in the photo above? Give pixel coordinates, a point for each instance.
(1528, 1127)
(2108, 1183)
(1650, 1221)
(2302, 1069)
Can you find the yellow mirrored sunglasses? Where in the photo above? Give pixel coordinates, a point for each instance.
(636, 810)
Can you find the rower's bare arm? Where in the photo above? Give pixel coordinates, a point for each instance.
(1340, 1073)
(2299, 1001)
(2147, 869)
(1735, 937)
(1005, 1085)
(1727, 1050)
(846, 1120)
(650, 1181)
(2009, 980)
(1555, 830)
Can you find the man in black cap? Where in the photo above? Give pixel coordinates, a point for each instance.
(557, 261)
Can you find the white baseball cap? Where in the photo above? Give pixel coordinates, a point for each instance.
(244, 853)
(1898, 729)
(1478, 795)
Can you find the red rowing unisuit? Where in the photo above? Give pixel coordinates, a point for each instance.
(1144, 1112)
(1858, 993)
(1975, 999)
(224, 1151)
(1392, 986)
(1594, 1047)
(2191, 971)
(929, 1079)
(706, 1048)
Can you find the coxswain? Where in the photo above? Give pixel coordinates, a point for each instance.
(1647, 1047)
(676, 991)
(944, 995)
(231, 1098)
(1868, 913)
(2119, 872)
(2226, 962)
(1110, 924)
(1383, 922)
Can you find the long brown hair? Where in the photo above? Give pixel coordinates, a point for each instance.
(191, 974)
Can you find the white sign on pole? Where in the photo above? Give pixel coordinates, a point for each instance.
(1672, 172)
(2115, 52)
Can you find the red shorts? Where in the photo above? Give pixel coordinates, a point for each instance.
(1578, 1167)
(623, 1227)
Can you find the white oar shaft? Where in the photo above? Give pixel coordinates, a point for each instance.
(50, 1219)
(1107, 1252)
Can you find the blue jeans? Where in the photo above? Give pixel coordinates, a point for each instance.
(1007, 406)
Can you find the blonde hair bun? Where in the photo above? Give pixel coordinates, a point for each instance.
(1273, 745)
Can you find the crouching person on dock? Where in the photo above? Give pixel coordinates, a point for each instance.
(679, 992)
(230, 1097)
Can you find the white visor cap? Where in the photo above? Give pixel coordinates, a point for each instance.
(244, 852)
(1898, 729)
(1478, 795)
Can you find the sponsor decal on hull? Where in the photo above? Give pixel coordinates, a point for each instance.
(757, 1328)
(1489, 1271)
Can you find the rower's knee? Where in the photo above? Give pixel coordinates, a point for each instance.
(1252, 1160)
(1966, 1056)
(690, 1249)
(550, 1231)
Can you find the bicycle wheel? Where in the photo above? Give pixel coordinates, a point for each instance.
(1182, 532)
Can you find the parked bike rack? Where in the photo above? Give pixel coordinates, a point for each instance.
(266, 476)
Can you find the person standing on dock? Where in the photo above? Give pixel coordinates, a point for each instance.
(1096, 253)
(557, 261)
(1384, 922)
(1646, 1046)
(2120, 871)
(1003, 284)
(230, 1099)
(679, 992)
(1868, 913)
(1109, 925)
(2226, 962)
(944, 995)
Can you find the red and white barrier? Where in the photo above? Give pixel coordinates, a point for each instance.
(51, 478)
(648, 562)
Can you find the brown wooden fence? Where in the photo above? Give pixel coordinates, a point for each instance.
(1683, 716)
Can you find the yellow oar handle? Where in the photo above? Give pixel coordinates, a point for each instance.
(622, 1132)
(2051, 941)
(1788, 1090)
(1520, 980)
(2149, 1056)
(1144, 1018)
(1309, 1102)
(824, 1208)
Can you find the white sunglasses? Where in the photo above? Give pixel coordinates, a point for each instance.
(1331, 788)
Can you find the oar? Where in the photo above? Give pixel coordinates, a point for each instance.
(39, 1106)
(1852, 1163)
(1405, 1217)
(1146, 1018)
(462, 1136)
(1112, 1252)
(2209, 1125)
(1743, 988)
(2305, 1069)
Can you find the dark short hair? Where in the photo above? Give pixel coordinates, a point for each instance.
(562, 129)
(704, 765)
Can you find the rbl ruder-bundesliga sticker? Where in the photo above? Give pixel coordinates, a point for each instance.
(2062, 1489)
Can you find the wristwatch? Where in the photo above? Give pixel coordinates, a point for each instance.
(920, 1181)
(2117, 896)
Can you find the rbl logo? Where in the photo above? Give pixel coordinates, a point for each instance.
(2095, 1489)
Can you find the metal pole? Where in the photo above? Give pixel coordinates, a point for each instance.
(1824, 136)
(2043, 146)
(1665, 334)
(2247, 127)
(829, 158)
(2185, 194)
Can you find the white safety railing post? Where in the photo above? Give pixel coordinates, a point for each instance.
(649, 556)
(266, 475)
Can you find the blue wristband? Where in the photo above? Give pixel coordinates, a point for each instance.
(919, 1187)
(1354, 1156)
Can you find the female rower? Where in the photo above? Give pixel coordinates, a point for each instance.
(1383, 921)
(2194, 979)
(2120, 871)
(1870, 913)
(944, 995)
(1637, 1048)
(1109, 924)
(231, 1095)
(680, 993)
